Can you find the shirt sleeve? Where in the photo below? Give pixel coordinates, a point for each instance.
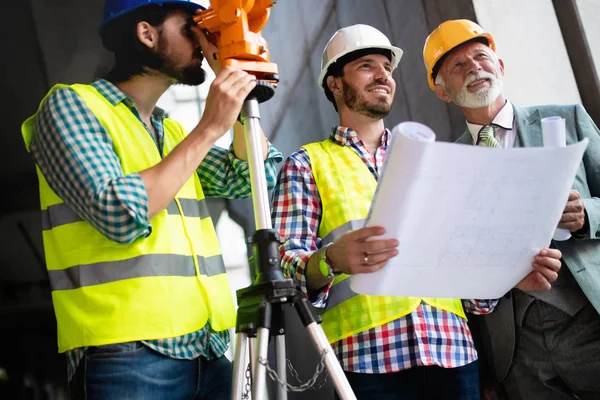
(224, 175)
(479, 307)
(296, 215)
(76, 156)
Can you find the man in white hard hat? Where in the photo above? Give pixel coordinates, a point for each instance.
(542, 345)
(390, 347)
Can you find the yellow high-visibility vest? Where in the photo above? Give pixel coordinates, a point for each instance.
(346, 188)
(165, 285)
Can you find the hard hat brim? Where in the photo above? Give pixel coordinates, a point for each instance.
(396, 56)
(190, 5)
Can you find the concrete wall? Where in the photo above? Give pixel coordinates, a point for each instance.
(589, 11)
(529, 41)
(68, 37)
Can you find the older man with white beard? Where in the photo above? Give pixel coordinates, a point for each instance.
(542, 345)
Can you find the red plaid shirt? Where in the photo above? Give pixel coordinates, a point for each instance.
(427, 336)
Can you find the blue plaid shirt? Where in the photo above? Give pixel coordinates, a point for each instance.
(75, 153)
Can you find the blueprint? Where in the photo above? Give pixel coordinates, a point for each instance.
(469, 219)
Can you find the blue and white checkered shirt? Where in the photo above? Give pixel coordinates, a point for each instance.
(75, 153)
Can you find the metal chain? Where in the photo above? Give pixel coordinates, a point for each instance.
(310, 384)
(246, 394)
(294, 373)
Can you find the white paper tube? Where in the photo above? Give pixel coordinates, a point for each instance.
(415, 131)
(553, 132)
(554, 135)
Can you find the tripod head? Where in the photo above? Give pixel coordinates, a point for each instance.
(237, 25)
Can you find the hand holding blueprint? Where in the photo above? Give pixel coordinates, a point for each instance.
(469, 219)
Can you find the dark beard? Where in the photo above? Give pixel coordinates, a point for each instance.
(378, 110)
(191, 75)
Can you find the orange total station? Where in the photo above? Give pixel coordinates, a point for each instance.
(237, 25)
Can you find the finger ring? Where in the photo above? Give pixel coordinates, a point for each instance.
(366, 259)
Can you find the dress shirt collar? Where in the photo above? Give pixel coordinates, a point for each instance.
(344, 136)
(504, 119)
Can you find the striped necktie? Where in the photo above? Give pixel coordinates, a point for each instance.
(486, 136)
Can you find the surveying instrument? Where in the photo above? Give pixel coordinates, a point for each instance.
(236, 24)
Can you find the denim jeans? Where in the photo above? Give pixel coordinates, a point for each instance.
(134, 371)
(418, 383)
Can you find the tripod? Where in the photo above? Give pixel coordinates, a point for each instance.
(260, 306)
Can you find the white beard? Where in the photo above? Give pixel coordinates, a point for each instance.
(483, 97)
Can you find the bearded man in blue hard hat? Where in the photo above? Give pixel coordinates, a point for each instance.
(138, 283)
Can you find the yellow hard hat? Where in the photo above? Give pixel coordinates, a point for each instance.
(446, 37)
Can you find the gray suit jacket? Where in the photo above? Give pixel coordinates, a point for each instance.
(581, 256)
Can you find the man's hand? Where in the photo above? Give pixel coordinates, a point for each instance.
(545, 271)
(224, 101)
(353, 254)
(573, 217)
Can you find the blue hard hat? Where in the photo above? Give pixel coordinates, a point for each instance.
(115, 8)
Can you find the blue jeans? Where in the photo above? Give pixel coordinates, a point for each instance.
(418, 383)
(134, 371)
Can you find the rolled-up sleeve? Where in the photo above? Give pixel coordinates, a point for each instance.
(224, 175)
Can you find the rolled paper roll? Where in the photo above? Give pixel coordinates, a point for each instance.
(415, 131)
(554, 135)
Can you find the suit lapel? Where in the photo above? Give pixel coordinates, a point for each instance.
(465, 138)
(529, 128)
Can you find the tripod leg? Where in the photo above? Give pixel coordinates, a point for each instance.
(239, 365)
(252, 354)
(281, 365)
(340, 381)
(342, 386)
(259, 370)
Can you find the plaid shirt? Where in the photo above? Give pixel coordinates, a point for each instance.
(76, 155)
(427, 336)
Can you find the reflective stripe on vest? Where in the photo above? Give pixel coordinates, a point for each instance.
(340, 231)
(166, 284)
(341, 293)
(137, 267)
(346, 187)
(61, 214)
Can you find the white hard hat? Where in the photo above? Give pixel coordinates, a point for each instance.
(352, 38)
